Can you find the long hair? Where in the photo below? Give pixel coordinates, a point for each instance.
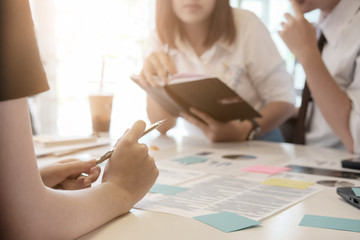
(221, 23)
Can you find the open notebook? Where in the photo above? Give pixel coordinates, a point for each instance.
(207, 94)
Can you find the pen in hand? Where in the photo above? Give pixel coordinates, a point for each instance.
(166, 50)
(108, 154)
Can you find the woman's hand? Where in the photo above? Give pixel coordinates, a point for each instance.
(217, 131)
(157, 64)
(66, 174)
(130, 167)
(298, 34)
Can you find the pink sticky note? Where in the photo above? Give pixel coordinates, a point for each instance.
(266, 169)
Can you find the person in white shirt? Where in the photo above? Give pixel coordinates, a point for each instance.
(333, 77)
(209, 37)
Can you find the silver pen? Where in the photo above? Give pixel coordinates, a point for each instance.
(108, 154)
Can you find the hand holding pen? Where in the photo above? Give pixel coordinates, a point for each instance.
(131, 171)
(108, 154)
(158, 65)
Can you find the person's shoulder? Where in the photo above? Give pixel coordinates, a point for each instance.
(243, 14)
(244, 17)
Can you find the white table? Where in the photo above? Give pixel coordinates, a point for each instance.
(139, 224)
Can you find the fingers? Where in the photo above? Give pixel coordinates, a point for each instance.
(68, 160)
(146, 76)
(80, 182)
(167, 64)
(171, 66)
(136, 131)
(296, 7)
(73, 184)
(289, 22)
(142, 78)
(74, 168)
(163, 67)
(157, 64)
(289, 18)
(93, 176)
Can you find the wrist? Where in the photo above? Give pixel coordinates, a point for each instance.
(308, 56)
(120, 196)
(254, 130)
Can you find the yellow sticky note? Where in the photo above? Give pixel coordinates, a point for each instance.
(287, 183)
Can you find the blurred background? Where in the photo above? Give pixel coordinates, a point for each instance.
(82, 41)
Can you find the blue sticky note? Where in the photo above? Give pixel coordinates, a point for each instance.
(190, 160)
(227, 221)
(356, 190)
(166, 189)
(344, 224)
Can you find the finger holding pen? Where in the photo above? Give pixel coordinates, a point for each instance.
(158, 64)
(108, 154)
(167, 62)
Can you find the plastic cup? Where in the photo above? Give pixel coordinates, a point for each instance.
(100, 108)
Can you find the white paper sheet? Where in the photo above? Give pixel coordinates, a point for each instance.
(213, 193)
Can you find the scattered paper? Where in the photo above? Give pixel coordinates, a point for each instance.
(227, 221)
(287, 183)
(59, 151)
(217, 162)
(266, 169)
(212, 194)
(190, 160)
(53, 141)
(356, 190)
(344, 224)
(170, 176)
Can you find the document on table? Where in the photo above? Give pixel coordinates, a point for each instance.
(214, 193)
(176, 176)
(224, 162)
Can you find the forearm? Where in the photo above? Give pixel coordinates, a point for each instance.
(333, 103)
(274, 114)
(29, 210)
(72, 213)
(156, 112)
(75, 213)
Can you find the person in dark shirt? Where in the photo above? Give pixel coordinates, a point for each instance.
(29, 209)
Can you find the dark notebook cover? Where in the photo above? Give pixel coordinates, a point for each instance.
(209, 95)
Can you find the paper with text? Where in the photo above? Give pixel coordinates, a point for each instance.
(213, 193)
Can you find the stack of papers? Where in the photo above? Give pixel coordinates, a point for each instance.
(61, 146)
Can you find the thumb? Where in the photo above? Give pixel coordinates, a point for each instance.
(75, 168)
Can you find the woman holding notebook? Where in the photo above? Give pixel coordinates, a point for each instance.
(209, 37)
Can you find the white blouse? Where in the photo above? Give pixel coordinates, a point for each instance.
(341, 56)
(251, 66)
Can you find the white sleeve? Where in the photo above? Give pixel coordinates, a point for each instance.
(266, 67)
(354, 94)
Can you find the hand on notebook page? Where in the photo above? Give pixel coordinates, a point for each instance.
(157, 64)
(218, 131)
